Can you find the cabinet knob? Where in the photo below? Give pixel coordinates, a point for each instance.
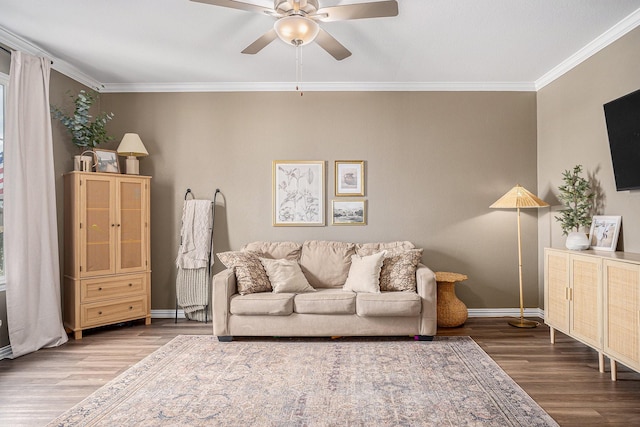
(99, 289)
(99, 312)
(130, 307)
(118, 225)
(113, 225)
(130, 284)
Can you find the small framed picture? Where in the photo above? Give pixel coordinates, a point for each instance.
(107, 161)
(604, 232)
(349, 212)
(349, 178)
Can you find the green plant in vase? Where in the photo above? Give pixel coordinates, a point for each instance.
(577, 196)
(86, 131)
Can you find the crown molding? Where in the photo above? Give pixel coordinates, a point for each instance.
(320, 87)
(15, 42)
(611, 35)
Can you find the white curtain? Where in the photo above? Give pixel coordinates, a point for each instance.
(34, 315)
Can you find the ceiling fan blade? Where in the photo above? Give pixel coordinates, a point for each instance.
(379, 9)
(331, 45)
(232, 4)
(261, 43)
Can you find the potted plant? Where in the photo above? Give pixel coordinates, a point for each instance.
(577, 196)
(86, 132)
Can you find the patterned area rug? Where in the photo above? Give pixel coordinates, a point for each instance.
(194, 381)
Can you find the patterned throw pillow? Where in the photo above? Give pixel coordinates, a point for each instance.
(250, 274)
(399, 270)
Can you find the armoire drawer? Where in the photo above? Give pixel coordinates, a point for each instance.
(106, 288)
(120, 310)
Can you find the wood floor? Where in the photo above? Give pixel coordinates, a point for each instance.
(563, 378)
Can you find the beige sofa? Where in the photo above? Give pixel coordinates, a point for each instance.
(334, 293)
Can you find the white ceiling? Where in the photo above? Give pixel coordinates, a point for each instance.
(147, 45)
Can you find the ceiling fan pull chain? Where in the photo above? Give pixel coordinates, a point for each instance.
(299, 69)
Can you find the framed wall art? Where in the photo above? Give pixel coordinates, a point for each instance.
(349, 212)
(106, 161)
(298, 193)
(604, 232)
(349, 178)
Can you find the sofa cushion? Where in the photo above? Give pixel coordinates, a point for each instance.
(388, 304)
(250, 274)
(364, 249)
(326, 301)
(364, 273)
(285, 276)
(262, 303)
(275, 250)
(326, 264)
(399, 270)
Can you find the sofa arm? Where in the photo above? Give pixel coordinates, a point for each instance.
(223, 286)
(427, 288)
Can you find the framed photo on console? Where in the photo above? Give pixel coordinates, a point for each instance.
(349, 178)
(106, 161)
(604, 232)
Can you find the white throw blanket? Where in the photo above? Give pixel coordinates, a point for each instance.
(193, 258)
(197, 220)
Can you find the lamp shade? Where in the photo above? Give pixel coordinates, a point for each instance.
(519, 197)
(296, 29)
(131, 145)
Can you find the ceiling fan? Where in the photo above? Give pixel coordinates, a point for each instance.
(297, 21)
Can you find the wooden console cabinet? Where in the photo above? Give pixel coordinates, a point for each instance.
(107, 275)
(594, 297)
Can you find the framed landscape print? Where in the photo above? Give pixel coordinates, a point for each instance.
(106, 161)
(349, 212)
(349, 178)
(604, 232)
(298, 193)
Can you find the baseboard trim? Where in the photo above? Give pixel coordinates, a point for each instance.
(473, 312)
(505, 312)
(167, 314)
(5, 352)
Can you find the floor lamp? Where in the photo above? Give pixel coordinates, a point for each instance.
(518, 197)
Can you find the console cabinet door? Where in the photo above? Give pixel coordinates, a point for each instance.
(586, 286)
(132, 225)
(622, 311)
(97, 225)
(556, 281)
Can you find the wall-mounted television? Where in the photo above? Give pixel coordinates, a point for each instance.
(623, 126)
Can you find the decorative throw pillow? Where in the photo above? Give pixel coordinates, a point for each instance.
(364, 274)
(250, 275)
(326, 264)
(285, 276)
(399, 270)
(275, 250)
(364, 249)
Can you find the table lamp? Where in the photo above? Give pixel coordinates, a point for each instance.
(518, 197)
(132, 147)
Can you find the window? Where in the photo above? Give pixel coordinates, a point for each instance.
(4, 80)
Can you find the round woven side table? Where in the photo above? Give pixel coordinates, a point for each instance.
(451, 311)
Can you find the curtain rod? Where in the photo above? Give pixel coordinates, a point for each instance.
(8, 51)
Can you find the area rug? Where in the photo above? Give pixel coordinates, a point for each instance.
(197, 381)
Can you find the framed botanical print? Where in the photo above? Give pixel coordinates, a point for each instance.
(298, 193)
(349, 178)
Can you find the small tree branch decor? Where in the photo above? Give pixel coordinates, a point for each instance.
(577, 196)
(85, 132)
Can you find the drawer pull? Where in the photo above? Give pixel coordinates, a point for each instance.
(99, 289)
(99, 312)
(130, 307)
(130, 284)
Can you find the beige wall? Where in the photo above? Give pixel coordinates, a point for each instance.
(572, 130)
(434, 162)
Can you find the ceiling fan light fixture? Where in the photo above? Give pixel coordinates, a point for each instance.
(296, 29)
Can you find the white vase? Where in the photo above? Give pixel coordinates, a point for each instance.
(577, 241)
